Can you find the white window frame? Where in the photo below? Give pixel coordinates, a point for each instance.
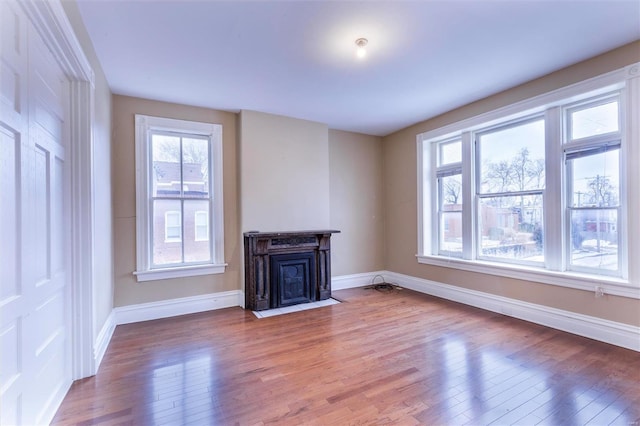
(145, 270)
(525, 119)
(195, 225)
(626, 81)
(442, 171)
(605, 141)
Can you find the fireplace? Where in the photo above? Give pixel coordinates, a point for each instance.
(286, 268)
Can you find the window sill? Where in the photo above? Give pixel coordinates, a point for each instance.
(609, 285)
(180, 272)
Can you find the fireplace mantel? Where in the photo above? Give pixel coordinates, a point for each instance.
(264, 252)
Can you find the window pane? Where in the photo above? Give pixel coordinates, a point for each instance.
(512, 159)
(595, 180)
(195, 167)
(451, 214)
(594, 239)
(165, 174)
(451, 190)
(196, 245)
(511, 227)
(451, 232)
(450, 152)
(595, 120)
(167, 232)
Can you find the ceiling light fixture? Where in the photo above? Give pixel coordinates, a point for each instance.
(361, 51)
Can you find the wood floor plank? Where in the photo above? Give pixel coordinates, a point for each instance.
(377, 358)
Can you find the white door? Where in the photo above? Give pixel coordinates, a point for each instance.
(35, 333)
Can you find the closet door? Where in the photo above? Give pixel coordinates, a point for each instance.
(34, 227)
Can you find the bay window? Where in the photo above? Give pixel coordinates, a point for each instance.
(541, 190)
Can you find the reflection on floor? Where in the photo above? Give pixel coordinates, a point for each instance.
(393, 358)
(295, 308)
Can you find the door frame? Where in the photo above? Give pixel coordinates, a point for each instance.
(52, 24)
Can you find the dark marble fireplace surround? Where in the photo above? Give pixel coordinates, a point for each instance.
(286, 268)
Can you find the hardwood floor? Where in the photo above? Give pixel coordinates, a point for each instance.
(378, 358)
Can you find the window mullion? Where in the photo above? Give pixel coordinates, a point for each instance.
(630, 190)
(148, 241)
(431, 162)
(148, 215)
(555, 236)
(469, 207)
(182, 235)
(182, 197)
(210, 201)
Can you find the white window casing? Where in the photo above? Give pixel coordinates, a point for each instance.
(556, 107)
(145, 269)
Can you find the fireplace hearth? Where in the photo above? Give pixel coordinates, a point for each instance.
(286, 268)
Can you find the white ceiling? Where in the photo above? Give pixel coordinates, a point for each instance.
(297, 58)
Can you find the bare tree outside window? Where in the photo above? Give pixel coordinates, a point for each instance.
(452, 189)
(194, 151)
(498, 177)
(513, 168)
(451, 214)
(601, 192)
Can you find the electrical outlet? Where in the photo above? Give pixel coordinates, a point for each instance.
(599, 291)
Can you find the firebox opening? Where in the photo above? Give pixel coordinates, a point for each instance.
(293, 279)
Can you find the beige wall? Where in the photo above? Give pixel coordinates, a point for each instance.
(280, 174)
(355, 177)
(103, 218)
(346, 172)
(284, 173)
(400, 189)
(127, 290)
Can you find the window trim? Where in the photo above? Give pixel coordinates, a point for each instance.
(441, 171)
(145, 270)
(576, 280)
(627, 82)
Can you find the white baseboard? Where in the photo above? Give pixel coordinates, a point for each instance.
(175, 307)
(615, 333)
(102, 340)
(342, 282)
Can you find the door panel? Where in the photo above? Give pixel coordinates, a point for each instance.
(9, 214)
(13, 138)
(39, 255)
(34, 298)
